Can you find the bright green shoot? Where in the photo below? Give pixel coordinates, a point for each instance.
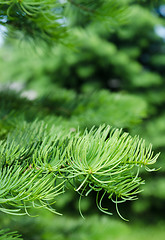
(42, 161)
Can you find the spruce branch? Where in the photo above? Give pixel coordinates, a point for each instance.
(37, 19)
(110, 160)
(6, 235)
(37, 161)
(48, 20)
(19, 187)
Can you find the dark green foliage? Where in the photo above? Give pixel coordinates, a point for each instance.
(75, 110)
(36, 19)
(94, 227)
(49, 20)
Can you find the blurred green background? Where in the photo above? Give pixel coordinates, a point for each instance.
(116, 76)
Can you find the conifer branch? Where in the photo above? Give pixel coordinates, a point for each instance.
(47, 20)
(6, 235)
(37, 160)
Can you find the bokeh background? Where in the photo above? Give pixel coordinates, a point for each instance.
(114, 76)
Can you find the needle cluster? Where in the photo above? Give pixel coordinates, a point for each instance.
(38, 161)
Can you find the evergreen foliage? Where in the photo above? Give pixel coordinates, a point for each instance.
(49, 20)
(62, 139)
(4, 235)
(37, 161)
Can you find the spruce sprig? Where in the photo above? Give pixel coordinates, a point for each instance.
(37, 160)
(110, 160)
(6, 235)
(50, 19)
(20, 186)
(39, 19)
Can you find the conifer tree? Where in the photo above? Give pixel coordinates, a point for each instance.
(40, 156)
